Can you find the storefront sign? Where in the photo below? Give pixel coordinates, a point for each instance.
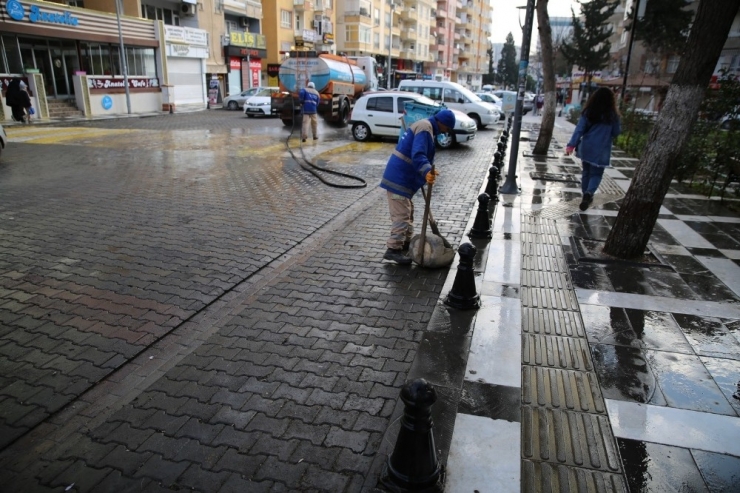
(185, 35)
(104, 84)
(247, 40)
(328, 39)
(273, 69)
(235, 64)
(17, 12)
(244, 52)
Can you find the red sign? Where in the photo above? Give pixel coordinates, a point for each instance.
(235, 63)
(273, 69)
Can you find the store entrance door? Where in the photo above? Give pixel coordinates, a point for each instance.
(64, 63)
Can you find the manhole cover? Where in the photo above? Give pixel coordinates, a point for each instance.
(554, 177)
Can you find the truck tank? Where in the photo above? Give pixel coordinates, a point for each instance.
(294, 72)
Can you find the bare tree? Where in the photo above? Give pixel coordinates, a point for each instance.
(639, 211)
(548, 75)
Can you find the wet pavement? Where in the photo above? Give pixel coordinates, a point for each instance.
(184, 307)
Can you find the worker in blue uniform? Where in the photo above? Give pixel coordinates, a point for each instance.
(309, 98)
(408, 168)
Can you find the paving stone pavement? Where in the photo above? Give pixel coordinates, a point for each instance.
(207, 320)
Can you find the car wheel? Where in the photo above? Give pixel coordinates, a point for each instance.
(445, 140)
(233, 105)
(287, 123)
(361, 132)
(249, 115)
(477, 120)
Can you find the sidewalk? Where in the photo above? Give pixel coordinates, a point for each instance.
(584, 374)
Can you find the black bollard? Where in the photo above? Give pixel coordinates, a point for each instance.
(482, 224)
(413, 466)
(463, 294)
(502, 150)
(498, 161)
(492, 185)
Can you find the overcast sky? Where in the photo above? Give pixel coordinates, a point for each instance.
(506, 17)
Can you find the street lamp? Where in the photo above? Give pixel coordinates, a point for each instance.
(510, 186)
(390, 44)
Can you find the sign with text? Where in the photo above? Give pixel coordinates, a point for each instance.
(110, 84)
(185, 35)
(247, 40)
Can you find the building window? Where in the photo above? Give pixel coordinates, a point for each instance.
(169, 17)
(286, 19)
(387, 19)
(388, 42)
(297, 22)
(651, 66)
(351, 33)
(673, 64)
(376, 40)
(365, 35)
(376, 16)
(76, 3)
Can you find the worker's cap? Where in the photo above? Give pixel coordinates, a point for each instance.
(446, 118)
(23, 85)
(311, 85)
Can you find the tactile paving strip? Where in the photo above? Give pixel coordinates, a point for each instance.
(567, 440)
(541, 476)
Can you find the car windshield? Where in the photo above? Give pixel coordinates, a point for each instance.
(264, 93)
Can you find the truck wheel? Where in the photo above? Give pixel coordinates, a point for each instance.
(344, 113)
(287, 123)
(361, 132)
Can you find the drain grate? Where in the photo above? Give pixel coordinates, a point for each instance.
(554, 177)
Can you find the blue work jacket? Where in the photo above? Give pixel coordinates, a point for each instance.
(309, 100)
(412, 159)
(593, 141)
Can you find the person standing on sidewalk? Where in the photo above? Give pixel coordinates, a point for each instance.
(408, 168)
(19, 101)
(592, 140)
(539, 103)
(309, 98)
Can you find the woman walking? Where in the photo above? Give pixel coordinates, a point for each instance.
(592, 140)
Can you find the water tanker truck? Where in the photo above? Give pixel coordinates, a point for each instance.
(339, 80)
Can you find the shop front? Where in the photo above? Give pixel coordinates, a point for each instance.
(244, 53)
(53, 45)
(183, 81)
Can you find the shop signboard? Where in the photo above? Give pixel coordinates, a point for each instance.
(103, 84)
(247, 40)
(17, 11)
(185, 35)
(255, 66)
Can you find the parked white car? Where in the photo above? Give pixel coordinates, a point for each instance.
(3, 139)
(236, 101)
(379, 114)
(260, 103)
(455, 97)
(489, 97)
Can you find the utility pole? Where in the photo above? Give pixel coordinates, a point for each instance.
(629, 50)
(510, 185)
(390, 44)
(124, 63)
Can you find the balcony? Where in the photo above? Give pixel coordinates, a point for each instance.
(454, 66)
(463, 56)
(408, 35)
(441, 14)
(457, 35)
(302, 5)
(468, 8)
(407, 54)
(455, 51)
(396, 30)
(322, 7)
(410, 15)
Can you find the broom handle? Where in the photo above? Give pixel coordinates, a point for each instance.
(423, 239)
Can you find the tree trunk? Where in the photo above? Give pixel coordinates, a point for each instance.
(639, 211)
(548, 74)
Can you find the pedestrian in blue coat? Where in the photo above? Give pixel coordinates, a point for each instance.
(408, 168)
(309, 98)
(592, 140)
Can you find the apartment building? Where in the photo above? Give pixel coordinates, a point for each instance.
(296, 24)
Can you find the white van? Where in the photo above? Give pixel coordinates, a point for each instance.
(455, 97)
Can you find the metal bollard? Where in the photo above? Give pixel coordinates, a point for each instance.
(502, 150)
(413, 466)
(482, 224)
(492, 185)
(463, 294)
